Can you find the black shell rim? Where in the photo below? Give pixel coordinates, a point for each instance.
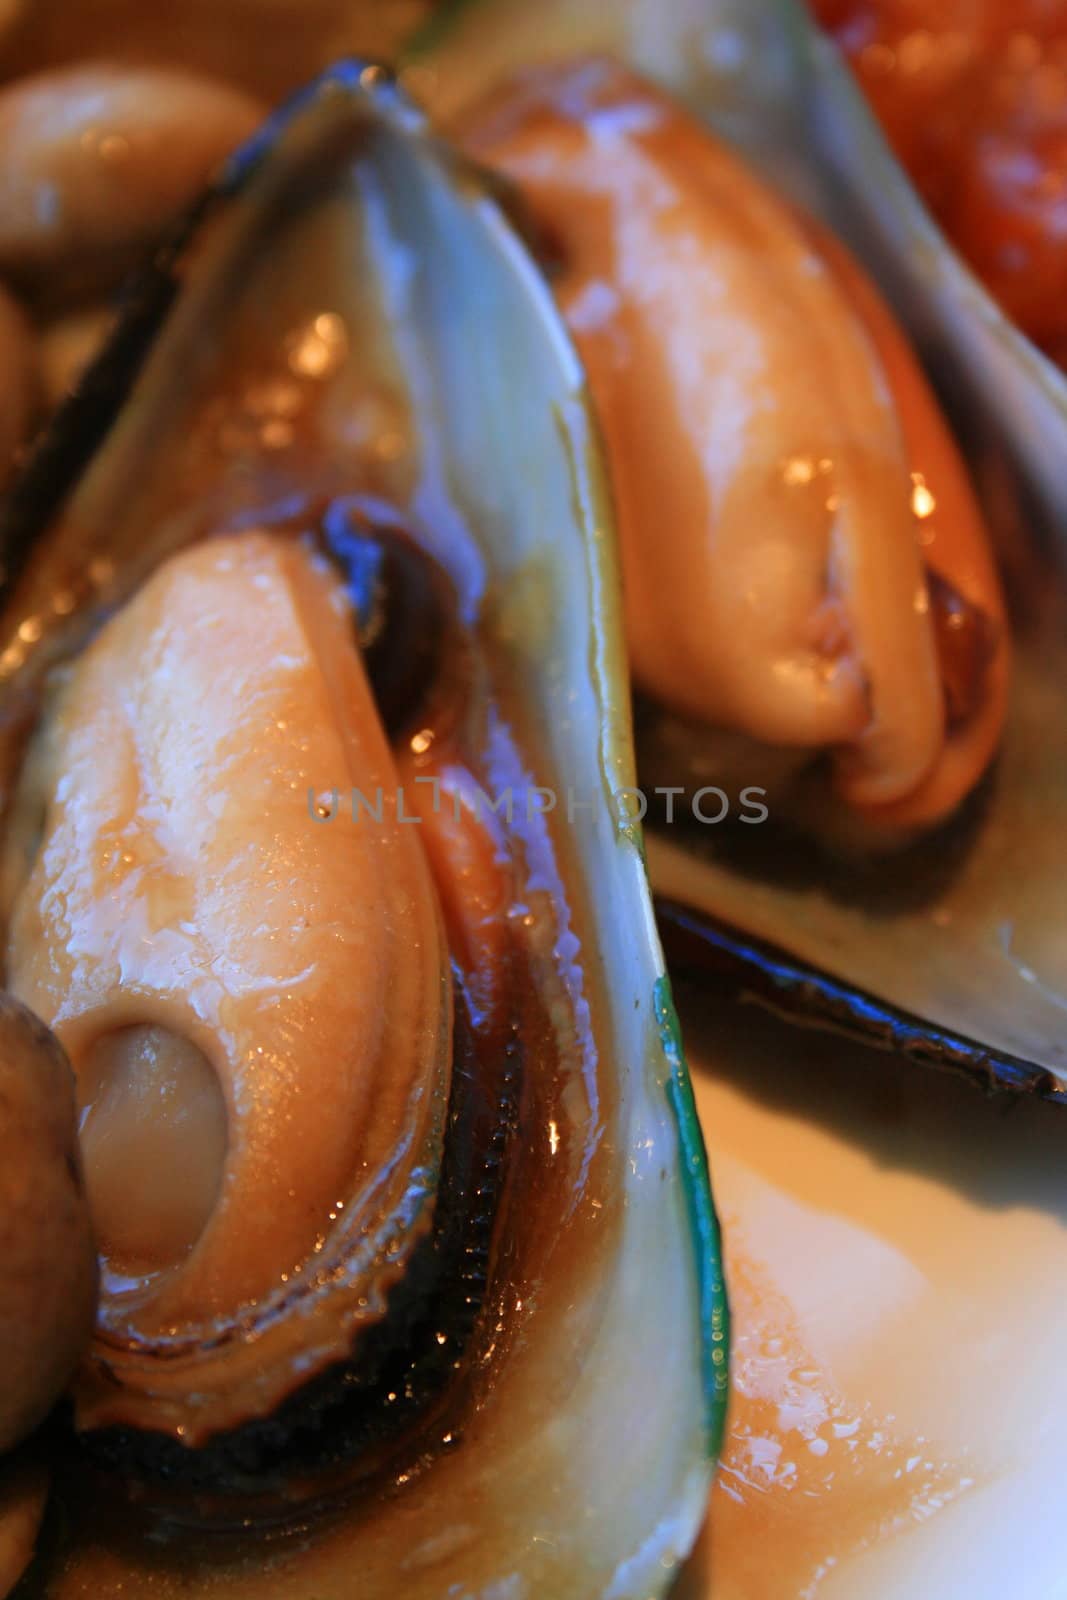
(700, 945)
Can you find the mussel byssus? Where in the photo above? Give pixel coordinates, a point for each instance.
(831, 609)
(314, 717)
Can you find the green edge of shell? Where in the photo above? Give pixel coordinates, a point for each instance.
(703, 1219)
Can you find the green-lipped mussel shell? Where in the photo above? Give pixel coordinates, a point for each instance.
(582, 1464)
(974, 941)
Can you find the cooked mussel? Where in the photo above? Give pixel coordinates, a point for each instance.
(386, 1126)
(958, 930)
(201, 948)
(805, 564)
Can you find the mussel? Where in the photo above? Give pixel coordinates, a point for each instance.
(806, 568)
(916, 907)
(314, 720)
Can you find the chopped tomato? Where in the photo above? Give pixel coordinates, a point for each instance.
(973, 96)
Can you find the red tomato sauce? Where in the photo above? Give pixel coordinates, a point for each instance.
(973, 97)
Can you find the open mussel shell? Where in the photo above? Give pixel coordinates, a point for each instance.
(964, 932)
(346, 255)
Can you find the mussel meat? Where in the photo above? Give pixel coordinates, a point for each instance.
(313, 717)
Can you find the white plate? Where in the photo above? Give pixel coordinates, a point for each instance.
(897, 1252)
